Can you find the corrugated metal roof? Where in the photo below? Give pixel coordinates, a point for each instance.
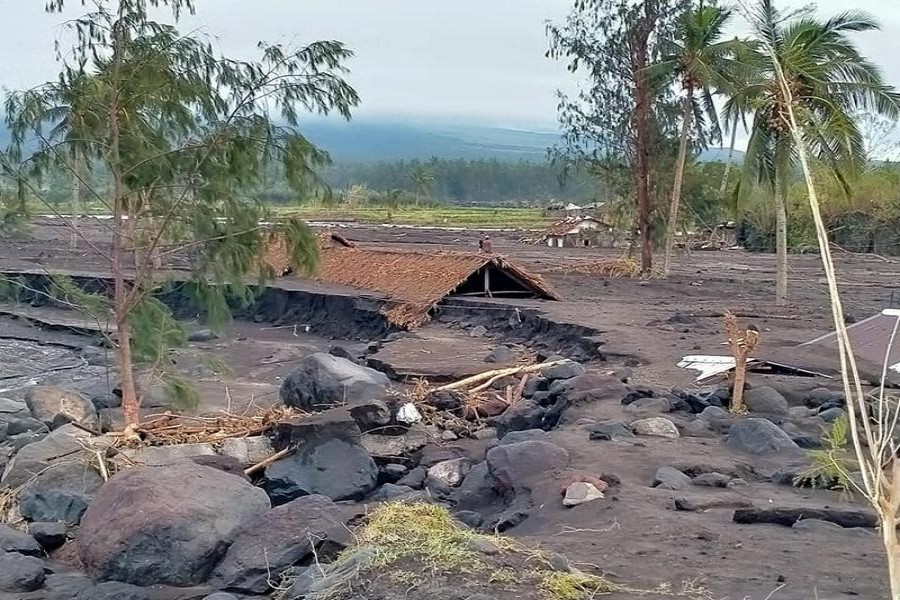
(870, 339)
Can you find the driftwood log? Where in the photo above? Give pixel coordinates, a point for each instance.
(789, 516)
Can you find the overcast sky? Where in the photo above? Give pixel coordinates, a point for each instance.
(472, 60)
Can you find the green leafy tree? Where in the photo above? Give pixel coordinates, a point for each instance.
(185, 137)
(615, 119)
(830, 82)
(703, 64)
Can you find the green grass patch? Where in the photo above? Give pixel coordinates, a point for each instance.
(443, 216)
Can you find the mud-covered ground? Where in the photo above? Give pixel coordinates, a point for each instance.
(634, 535)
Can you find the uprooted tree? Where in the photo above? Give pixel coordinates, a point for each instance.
(181, 138)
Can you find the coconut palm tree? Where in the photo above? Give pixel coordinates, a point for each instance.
(422, 180)
(704, 64)
(830, 82)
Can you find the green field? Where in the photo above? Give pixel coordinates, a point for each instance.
(448, 216)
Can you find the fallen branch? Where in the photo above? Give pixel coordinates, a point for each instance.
(489, 377)
(267, 461)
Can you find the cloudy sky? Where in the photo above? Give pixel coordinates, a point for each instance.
(472, 60)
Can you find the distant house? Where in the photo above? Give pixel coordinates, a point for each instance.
(573, 210)
(579, 232)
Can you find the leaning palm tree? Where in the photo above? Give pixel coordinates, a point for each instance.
(704, 64)
(830, 82)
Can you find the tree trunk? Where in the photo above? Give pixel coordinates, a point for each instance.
(892, 552)
(671, 225)
(76, 203)
(724, 187)
(781, 259)
(642, 131)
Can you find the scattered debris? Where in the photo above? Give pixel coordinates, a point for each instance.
(712, 365)
(581, 492)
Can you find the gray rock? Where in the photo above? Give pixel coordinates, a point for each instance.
(478, 489)
(524, 414)
(390, 492)
(247, 450)
(819, 396)
(470, 518)
(565, 370)
(832, 414)
(515, 467)
(716, 480)
(277, 539)
(97, 356)
(55, 406)
(113, 590)
(698, 428)
(610, 430)
(712, 413)
(337, 468)
(395, 446)
(25, 424)
(799, 412)
(49, 535)
(35, 457)
(373, 414)
(322, 381)
(12, 540)
(63, 586)
(525, 435)
(61, 493)
(19, 573)
(415, 479)
(202, 335)
(765, 399)
(501, 354)
(220, 596)
(669, 478)
(478, 331)
(788, 473)
(655, 427)
(581, 492)
(649, 406)
(759, 436)
(594, 387)
(165, 525)
(817, 525)
(450, 472)
(391, 473)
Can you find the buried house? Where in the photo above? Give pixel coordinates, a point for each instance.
(579, 232)
(414, 283)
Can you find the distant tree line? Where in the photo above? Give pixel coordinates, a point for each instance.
(464, 181)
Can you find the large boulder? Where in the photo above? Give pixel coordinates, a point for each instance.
(330, 460)
(670, 478)
(759, 436)
(19, 573)
(523, 415)
(322, 381)
(60, 445)
(765, 399)
(61, 493)
(56, 406)
(564, 370)
(277, 539)
(165, 525)
(516, 467)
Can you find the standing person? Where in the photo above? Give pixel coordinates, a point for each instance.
(486, 245)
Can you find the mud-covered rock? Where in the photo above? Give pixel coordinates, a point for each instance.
(565, 370)
(516, 467)
(831, 415)
(765, 399)
(609, 431)
(669, 478)
(338, 467)
(49, 535)
(60, 493)
(35, 457)
(501, 354)
(20, 573)
(322, 381)
(12, 540)
(165, 525)
(277, 539)
(524, 414)
(759, 436)
(55, 406)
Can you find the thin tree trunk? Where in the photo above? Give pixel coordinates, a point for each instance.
(674, 205)
(781, 259)
(76, 203)
(642, 131)
(724, 187)
(892, 551)
(130, 401)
